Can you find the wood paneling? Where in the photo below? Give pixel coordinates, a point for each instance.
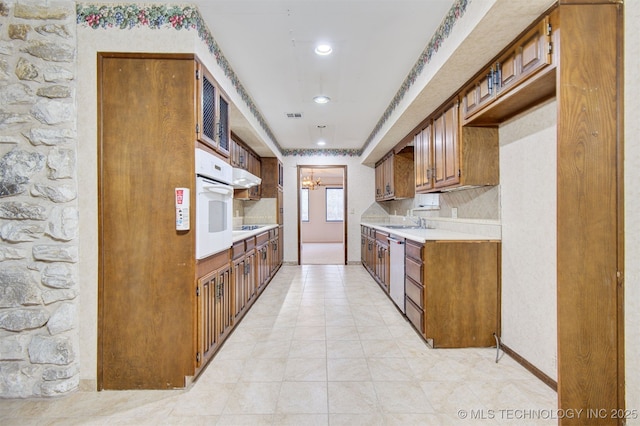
(589, 108)
(146, 110)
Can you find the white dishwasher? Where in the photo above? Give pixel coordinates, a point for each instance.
(396, 270)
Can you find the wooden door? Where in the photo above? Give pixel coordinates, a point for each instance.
(590, 205)
(146, 296)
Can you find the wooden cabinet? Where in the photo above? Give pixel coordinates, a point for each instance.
(214, 311)
(527, 66)
(452, 156)
(271, 175)
(446, 155)
(212, 126)
(461, 284)
(382, 260)
(423, 158)
(272, 184)
(147, 271)
(244, 275)
(263, 258)
(243, 157)
(275, 249)
(414, 285)
(368, 247)
(394, 175)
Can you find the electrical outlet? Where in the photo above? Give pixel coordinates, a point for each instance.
(454, 212)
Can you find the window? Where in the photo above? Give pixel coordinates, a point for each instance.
(335, 204)
(304, 204)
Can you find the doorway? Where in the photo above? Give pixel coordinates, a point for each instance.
(322, 219)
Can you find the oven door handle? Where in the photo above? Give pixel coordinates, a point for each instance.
(219, 189)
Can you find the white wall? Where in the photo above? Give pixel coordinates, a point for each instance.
(360, 195)
(632, 208)
(528, 211)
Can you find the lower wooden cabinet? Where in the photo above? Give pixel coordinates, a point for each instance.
(229, 284)
(452, 288)
(214, 309)
(461, 293)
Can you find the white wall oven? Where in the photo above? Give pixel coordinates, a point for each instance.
(214, 205)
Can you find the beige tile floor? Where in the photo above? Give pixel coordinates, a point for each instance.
(322, 346)
(322, 254)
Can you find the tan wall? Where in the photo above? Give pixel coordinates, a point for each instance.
(318, 230)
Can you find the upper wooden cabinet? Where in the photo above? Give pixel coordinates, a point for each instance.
(243, 157)
(450, 156)
(212, 127)
(394, 175)
(271, 172)
(520, 77)
(423, 158)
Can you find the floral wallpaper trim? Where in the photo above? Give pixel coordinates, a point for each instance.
(163, 16)
(455, 13)
(322, 152)
(178, 17)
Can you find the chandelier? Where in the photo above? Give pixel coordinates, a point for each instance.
(310, 183)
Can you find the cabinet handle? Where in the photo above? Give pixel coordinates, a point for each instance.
(497, 76)
(490, 82)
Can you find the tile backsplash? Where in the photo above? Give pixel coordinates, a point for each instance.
(472, 203)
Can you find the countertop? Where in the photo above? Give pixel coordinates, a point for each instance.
(243, 234)
(423, 235)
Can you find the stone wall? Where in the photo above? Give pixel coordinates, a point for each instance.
(38, 207)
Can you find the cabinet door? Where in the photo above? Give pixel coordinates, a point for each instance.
(223, 129)
(535, 50)
(251, 278)
(446, 153)
(479, 93)
(423, 145)
(206, 313)
(379, 180)
(280, 207)
(224, 314)
(238, 288)
(208, 94)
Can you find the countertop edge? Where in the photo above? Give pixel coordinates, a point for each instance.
(422, 235)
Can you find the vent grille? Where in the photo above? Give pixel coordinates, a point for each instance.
(294, 115)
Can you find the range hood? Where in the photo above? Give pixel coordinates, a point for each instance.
(242, 179)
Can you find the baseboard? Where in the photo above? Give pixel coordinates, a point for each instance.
(530, 367)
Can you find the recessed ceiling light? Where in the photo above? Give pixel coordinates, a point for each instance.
(321, 143)
(323, 49)
(321, 99)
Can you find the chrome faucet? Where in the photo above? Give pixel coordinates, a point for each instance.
(417, 220)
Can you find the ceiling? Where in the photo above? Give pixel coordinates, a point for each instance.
(270, 44)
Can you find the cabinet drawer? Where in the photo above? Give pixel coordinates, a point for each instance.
(415, 315)
(415, 292)
(413, 270)
(250, 243)
(382, 237)
(414, 250)
(262, 238)
(238, 249)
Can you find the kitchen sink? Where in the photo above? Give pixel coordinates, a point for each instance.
(402, 226)
(250, 227)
